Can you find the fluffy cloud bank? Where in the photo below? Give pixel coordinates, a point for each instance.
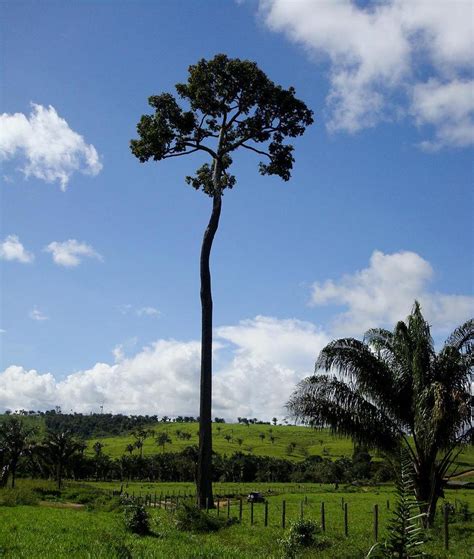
(384, 292)
(382, 51)
(257, 362)
(12, 249)
(69, 253)
(51, 150)
(163, 378)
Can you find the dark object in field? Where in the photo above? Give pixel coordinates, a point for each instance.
(255, 497)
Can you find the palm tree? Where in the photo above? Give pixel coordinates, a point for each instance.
(393, 390)
(162, 439)
(58, 450)
(15, 442)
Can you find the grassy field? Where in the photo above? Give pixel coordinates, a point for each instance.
(53, 527)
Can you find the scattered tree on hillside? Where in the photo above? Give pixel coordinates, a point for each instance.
(162, 439)
(97, 448)
(274, 420)
(140, 436)
(394, 391)
(261, 436)
(130, 448)
(231, 105)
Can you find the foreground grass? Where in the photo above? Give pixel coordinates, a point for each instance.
(44, 531)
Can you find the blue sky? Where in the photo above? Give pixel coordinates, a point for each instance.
(100, 290)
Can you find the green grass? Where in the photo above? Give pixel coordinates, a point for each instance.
(48, 532)
(308, 441)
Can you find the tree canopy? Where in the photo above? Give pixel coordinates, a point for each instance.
(229, 104)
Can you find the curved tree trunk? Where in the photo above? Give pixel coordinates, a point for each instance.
(204, 470)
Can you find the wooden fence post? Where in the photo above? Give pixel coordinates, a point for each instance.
(218, 507)
(251, 513)
(283, 514)
(240, 509)
(376, 523)
(446, 527)
(301, 510)
(266, 513)
(323, 517)
(388, 504)
(346, 523)
(228, 507)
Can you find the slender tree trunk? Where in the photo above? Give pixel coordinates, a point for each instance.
(13, 470)
(204, 471)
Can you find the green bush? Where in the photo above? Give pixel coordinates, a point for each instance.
(302, 534)
(137, 520)
(190, 518)
(17, 496)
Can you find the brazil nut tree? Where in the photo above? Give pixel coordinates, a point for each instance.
(226, 105)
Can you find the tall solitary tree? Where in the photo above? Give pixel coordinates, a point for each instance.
(229, 104)
(393, 391)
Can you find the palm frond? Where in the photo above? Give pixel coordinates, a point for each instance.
(462, 338)
(323, 400)
(353, 360)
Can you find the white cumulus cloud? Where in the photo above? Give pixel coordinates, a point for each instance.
(49, 148)
(148, 311)
(384, 292)
(36, 314)
(12, 249)
(379, 56)
(70, 253)
(163, 377)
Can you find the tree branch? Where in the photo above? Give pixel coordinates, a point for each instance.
(256, 150)
(181, 153)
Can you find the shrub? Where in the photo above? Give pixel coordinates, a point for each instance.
(17, 496)
(136, 519)
(302, 533)
(190, 518)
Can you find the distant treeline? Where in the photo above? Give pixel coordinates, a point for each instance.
(91, 425)
(238, 467)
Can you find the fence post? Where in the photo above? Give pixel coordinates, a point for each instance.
(323, 517)
(301, 510)
(346, 523)
(251, 513)
(266, 513)
(376, 523)
(388, 504)
(240, 509)
(228, 507)
(283, 514)
(218, 507)
(446, 527)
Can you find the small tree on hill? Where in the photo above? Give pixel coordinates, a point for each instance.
(163, 439)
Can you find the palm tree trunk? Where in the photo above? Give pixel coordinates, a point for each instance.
(204, 471)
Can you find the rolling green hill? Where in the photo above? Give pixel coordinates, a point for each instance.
(307, 442)
(229, 438)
